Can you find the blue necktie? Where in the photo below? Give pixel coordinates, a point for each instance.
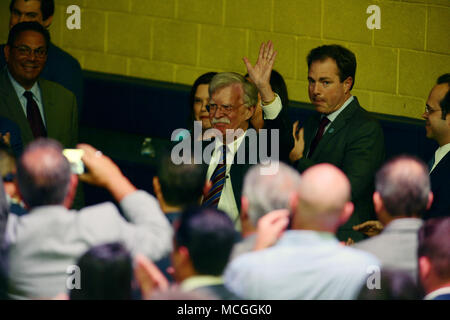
(218, 181)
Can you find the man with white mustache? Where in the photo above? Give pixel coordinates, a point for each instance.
(39, 107)
(232, 103)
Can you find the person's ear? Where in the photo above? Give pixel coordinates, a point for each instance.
(249, 112)
(424, 268)
(148, 277)
(430, 200)
(68, 201)
(244, 208)
(348, 84)
(48, 22)
(346, 212)
(207, 187)
(377, 202)
(7, 52)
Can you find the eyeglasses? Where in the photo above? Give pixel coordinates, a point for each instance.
(39, 53)
(226, 109)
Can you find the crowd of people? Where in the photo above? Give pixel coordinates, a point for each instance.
(281, 210)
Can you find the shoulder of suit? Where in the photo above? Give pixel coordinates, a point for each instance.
(56, 87)
(63, 56)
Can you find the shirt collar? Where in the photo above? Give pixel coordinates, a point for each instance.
(438, 292)
(231, 147)
(332, 116)
(196, 282)
(20, 90)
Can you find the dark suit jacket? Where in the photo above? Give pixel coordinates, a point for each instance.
(60, 110)
(6, 126)
(354, 142)
(61, 68)
(440, 185)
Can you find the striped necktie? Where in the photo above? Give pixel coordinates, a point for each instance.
(218, 181)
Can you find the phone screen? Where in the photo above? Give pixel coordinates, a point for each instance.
(74, 156)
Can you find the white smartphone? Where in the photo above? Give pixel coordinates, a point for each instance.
(74, 156)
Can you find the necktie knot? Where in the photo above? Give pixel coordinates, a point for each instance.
(323, 123)
(28, 95)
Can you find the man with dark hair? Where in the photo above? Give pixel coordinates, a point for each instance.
(434, 258)
(45, 242)
(178, 187)
(202, 246)
(402, 195)
(341, 132)
(61, 67)
(437, 117)
(106, 274)
(41, 108)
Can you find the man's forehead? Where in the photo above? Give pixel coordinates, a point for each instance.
(27, 6)
(231, 92)
(323, 68)
(30, 37)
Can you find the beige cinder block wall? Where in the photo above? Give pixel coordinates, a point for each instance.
(177, 40)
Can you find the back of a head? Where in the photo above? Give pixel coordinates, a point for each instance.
(404, 186)
(344, 58)
(324, 194)
(106, 274)
(266, 193)
(226, 79)
(209, 236)
(43, 173)
(434, 243)
(445, 102)
(394, 285)
(181, 185)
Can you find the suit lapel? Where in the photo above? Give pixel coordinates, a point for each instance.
(336, 126)
(14, 107)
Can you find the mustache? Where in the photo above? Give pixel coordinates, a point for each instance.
(221, 120)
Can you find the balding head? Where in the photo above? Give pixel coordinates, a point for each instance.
(403, 185)
(324, 199)
(43, 174)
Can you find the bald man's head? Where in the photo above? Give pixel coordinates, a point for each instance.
(324, 199)
(43, 174)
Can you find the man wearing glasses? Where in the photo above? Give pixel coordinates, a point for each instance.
(41, 108)
(437, 117)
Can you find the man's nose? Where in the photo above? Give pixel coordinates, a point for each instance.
(316, 88)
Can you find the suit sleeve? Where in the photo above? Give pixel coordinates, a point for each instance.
(149, 231)
(364, 154)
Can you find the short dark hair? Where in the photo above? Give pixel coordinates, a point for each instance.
(445, 102)
(47, 8)
(404, 191)
(203, 79)
(344, 58)
(209, 236)
(15, 32)
(106, 274)
(434, 243)
(43, 184)
(181, 185)
(395, 285)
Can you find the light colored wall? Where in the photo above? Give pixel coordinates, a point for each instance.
(177, 40)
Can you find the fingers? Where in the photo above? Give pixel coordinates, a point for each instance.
(248, 65)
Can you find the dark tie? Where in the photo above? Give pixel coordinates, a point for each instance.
(323, 123)
(218, 180)
(34, 116)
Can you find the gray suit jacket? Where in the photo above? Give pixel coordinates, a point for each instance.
(396, 246)
(60, 110)
(44, 243)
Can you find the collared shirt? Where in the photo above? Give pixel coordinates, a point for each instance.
(302, 265)
(440, 154)
(332, 116)
(227, 202)
(35, 90)
(196, 282)
(432, 295)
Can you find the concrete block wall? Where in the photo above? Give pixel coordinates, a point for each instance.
(177, 40)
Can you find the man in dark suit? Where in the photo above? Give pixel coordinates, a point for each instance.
(232, 103)
(61, 67)
(437, 116)
(434, 258)
(41, 108)
(341, 132)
